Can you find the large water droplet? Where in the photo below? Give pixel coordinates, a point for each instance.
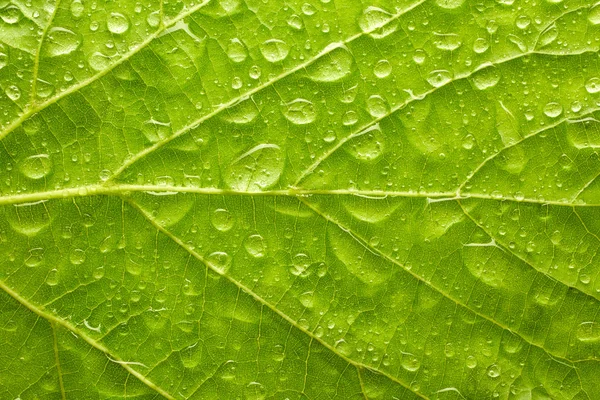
(553, 109)
(332, 67)
(220, 261)
(377, 106)
(13, 92)
(449, 4)
(593, 85)
(480, 45)
(382, 69)
(486, 78)
(11, 14)
(548, 36)
(257, 169)
(594, 15)
(117, 23)
(588, 332)
(36, 167)
(274, 50)
(155, 131)
(99, 62)
(300, 112)
(222, 220)
(52, 277)
(373, 18)
(447, 41)
(61, 41)
(439, 78)
(241, 113)
(236, 51)
(255, 245)
(367, 145)
(255, 391)
(410, 362)
(493, 371)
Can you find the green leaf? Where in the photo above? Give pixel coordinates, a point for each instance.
(317, 199)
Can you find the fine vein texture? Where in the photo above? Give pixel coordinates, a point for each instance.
(315, 199)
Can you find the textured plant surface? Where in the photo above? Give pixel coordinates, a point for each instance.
(313, 199)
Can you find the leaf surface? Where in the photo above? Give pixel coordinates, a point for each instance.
(331, 199)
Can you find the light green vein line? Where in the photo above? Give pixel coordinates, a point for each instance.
(258, 298)
(65, 324)
(125, 190)
(57, 356)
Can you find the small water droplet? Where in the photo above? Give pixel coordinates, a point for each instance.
(336, 66)
(447, 41)
(480, 45)
(257, 169)
(593, 85)
(410, 362)
(449, 4)
(373, 18)
(153, 19)
(255, 391)
(367, 145)
(99, 62)
(486, 78)
(77, 256)
(294, 21)
(77, 9)
(13, 92)
(222, 220)
(493, 371)
(594, 15)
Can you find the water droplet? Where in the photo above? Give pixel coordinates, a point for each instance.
(98, 273)
(367, 145)
(36, 167)
(593, 85)
(523, 22)
(52, 277)
(377, 106)
(343, 347)
(449, 4)
(236, 51)
(471, 362)
(588, 332)
(11, 14)
(447, 41)
(333, 67)
(254, 72)
(410, 362)
(44, 89)
(77, 256)
(382, 69)
(61, 41)
(307, 299)
(373, 18)
(486, 78)
(480, 45)
(13, 92)
(220, 261)
(548, 36)
(308, 9)
(300, 112)
(255, 245)
(241, 113)
(99, 62)
(419, 56)
(222, 220)
(493, 371)
(294, 21)
(77, 9)
(553, 109)
(349, 118)
(237, 83)
(594, 15)
(3, 58)
(153, 19)
(117, 23)
(300, 264)
(517, 41)
(35, 258)
(439, 78)
(255, 391)
(274, 50)
(257, 169)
